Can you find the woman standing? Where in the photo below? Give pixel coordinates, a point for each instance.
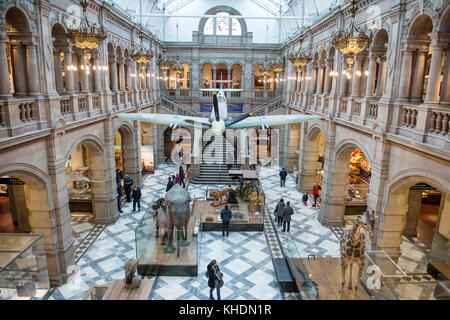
(181, 175)
(279, 212)
(214, 279)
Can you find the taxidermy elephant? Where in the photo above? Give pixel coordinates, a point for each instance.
(178, 212)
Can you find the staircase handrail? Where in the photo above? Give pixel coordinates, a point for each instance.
(182, 109)
(258, 111)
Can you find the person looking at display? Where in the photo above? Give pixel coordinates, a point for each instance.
(232, 196)
(136, 195)
(215, 279)
(128, 183)
(226, 215)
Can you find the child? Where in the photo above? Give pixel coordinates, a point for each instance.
(305, 199)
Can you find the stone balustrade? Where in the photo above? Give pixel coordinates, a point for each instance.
(439, 122)
(409, 117)
(27, 111)
(373, 110)
(82, 104)
(2, 116)
(65, 106)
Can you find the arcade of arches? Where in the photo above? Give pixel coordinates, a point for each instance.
(381, 144)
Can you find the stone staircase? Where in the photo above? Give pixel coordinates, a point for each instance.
(214, 168)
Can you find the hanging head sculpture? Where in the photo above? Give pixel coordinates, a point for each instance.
(179, 212)
(353, 246)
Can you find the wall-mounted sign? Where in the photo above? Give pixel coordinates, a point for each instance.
(11, 180)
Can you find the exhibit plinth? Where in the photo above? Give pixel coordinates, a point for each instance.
(155, 262)
(245, 217)
(326, 272)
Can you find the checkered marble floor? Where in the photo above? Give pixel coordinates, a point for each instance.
(244, 257)
(307, 235)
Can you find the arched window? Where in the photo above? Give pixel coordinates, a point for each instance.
(222, 25)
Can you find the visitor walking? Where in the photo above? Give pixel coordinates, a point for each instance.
(169, 184)
(215, 279)
(136, 195)
(119, 198)
(287, 213)
(283, 175)
(226, 215)
(279, 211)
(177, 179)
(305, 199)
(316, 195)
(181, 175)
(128, 183)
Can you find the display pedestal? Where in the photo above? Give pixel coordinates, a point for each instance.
(154, 262)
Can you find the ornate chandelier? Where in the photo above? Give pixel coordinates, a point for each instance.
(87, 36)
(277, 65)
(163, 62)
(352, 40)
(140, 56)
(299, 59)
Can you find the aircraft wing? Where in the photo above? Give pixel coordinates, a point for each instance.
(267, 121)
(168, 119)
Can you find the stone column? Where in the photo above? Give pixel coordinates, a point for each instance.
(18, 69)
(113, 68)
(122, 74)
(33, 73)
(147, 77)
(4, 73)
(405, 75)
(419, 70)
(434, 75)
(370, 84)
(265, 82)
(75, 72)
(97, 72)
(445, 92)
(412, 216)
(58, 71)
(85, 76)
(320, 75)
(69, 73)
(128, 79)
(356, 79)
(328, 78)
(343, 87)
(381, 77)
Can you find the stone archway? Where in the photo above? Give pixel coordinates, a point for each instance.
(393, 220)
(37, 201)
(127, 152)
(336, 190)
(314, 160)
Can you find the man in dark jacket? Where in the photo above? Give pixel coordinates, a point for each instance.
(283, 175)
(232, 196)
(118, 176)
(169, 184)
(136, 195)
(128, 183)
(214, 279)
(119, 198)
(287, 213)
(225, 215)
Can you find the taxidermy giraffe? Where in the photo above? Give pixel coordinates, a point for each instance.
(353, 245)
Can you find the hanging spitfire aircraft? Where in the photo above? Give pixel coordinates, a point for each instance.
(219, 120)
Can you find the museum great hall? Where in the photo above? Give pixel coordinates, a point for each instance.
(372, 77)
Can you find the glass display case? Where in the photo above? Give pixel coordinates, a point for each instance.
(23, 267)
(152, 251)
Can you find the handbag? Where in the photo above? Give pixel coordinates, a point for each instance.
(218, 282)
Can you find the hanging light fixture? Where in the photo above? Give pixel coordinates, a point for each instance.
(352, 40)
(140, 56)
(87, 36)
(163, 62)
(299, 59)
(277, 65)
